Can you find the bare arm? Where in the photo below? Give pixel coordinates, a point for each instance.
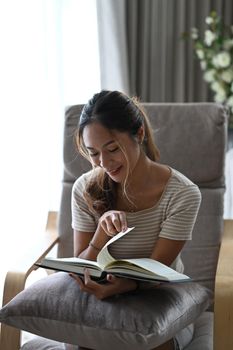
(88, 244)
(109, 224)
(166, 250)
(83, 250)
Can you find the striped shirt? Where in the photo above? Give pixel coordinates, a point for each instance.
(172, 217)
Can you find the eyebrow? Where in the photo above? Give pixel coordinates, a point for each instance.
(105, 145)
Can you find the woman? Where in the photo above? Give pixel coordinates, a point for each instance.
(128, 187)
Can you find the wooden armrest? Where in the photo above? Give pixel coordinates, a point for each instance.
(223, 304)
(15, 279)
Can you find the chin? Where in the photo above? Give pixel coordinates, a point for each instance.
(116, 179)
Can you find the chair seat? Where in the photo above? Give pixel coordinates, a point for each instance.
(39, 343)
(203, 338)
(203, 333)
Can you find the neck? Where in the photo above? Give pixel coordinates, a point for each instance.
(138, 179)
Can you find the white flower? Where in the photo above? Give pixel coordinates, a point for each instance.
(203, 65)
(230, 101)
(194, 33)
(200, 54)
(220, 97)
(223, 59)
(228, 44)
(209, 20)
(209, 37)
(215, 61)
(209, 75)
(220, 92)
(227, 75)
(215, 86)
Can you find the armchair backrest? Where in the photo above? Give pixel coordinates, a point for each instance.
(192, 139)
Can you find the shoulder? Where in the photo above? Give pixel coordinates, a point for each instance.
(181, 186)
(81, 182)
(180, 179)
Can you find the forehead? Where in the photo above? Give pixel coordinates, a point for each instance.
(95, 135)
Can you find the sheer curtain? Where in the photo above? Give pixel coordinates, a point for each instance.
(49, 59)
(152, 61)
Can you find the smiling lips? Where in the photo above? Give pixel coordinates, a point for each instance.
(115, 171)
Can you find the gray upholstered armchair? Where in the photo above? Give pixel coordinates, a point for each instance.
(192, 139)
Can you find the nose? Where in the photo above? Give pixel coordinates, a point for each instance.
(104, 160)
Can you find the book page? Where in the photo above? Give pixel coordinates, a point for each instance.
(152, 266)
(75, 265)
(104, 257)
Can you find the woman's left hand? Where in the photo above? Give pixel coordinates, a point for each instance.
(114, 285)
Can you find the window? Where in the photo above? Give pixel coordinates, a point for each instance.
(49, 59)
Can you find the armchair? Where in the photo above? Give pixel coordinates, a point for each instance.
(192, 139)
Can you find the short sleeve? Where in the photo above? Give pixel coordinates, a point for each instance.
(181, 213)
(82, 218)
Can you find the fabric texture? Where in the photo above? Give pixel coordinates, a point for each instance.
(55, 308)
(140, 50)
(203, 333)
(203, 338)
(179, 203)
(40, 343)
(174, 125)
(172, 217)
(228, 198)
(192, 139)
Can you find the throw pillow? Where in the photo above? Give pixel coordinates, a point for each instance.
(55, 308)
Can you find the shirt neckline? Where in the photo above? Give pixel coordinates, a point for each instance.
(130, 213)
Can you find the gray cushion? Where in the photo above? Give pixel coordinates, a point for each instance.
(54, 308)
(174, 125)
(203, 333)
(203, 338)
(40, 343)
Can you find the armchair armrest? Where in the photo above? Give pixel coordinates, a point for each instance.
(15, 280)
(223, 304)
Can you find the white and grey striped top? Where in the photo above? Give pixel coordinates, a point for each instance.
(172, 217)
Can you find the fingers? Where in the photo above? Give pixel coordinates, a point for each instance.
(90, 286)
(77, 279)
(111, 278)
(123, 221)
(87, 284)
(114, 286)
(113, 222)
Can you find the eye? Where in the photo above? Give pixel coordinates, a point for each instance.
(114, 149)
(93, 154)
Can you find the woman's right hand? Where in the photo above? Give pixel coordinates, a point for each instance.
(112, 222)
(88, 245)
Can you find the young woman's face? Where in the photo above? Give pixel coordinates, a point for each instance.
(110, 150)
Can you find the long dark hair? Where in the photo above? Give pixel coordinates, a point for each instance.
(115, 111)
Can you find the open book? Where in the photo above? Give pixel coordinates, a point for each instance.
(144, 269)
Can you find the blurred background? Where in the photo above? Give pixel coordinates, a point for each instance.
(55, 53)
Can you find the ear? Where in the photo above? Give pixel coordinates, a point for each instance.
(141, 134)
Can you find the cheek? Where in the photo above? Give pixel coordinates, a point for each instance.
(133, 157)
(94, 161)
